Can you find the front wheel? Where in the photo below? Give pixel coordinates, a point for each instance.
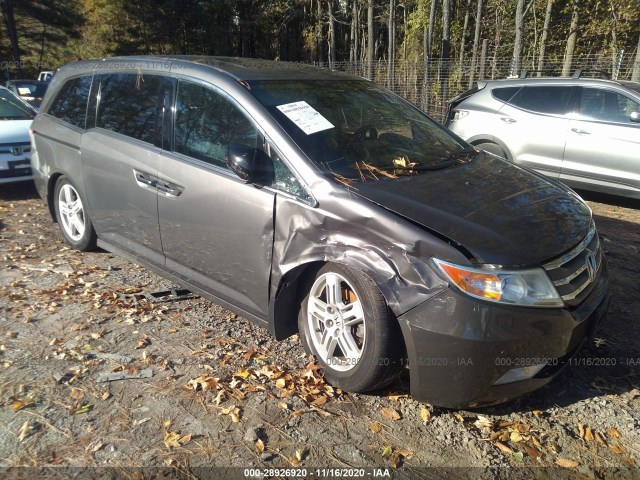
(345, 322)
(73, 218)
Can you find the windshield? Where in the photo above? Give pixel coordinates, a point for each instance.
(12, 108)
(355, 129)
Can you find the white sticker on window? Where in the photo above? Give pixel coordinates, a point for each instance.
(24, 91)
(305, 117)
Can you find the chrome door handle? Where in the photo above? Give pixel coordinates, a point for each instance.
(580, 131)
(172, 190)
(508, 120)
(141, 178)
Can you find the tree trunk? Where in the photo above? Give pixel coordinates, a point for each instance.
(10, 23)
(332, 35)
(545, 34)
(319, 33)
(614, 41)
(370, 35)
(464, 31)
(635, 74)
(516, 60)
(476, 40)
(446, 20)
(427, 47)
(355, 31)
(571, 40)
(392, 43)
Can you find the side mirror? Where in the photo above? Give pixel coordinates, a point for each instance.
(635, 117)
(250, 164)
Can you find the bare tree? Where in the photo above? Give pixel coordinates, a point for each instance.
(464, 30)
(370, 37)
(319, 32)
(332, 34)
(545, 34)
(571, 40)
(392, 43)
(10, 23)
(635, 75)
(427, 48)
(476, 41)
(516, 60)
(355, 31)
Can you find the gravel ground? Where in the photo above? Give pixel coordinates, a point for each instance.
(204, 388)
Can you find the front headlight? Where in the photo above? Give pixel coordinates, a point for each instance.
(530, 288)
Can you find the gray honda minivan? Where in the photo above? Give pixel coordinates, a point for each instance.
(318, 203)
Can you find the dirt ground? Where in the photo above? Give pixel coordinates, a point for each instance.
(203, 388)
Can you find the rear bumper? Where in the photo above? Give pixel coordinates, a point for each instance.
(458, 347)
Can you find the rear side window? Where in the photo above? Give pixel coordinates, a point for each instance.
(505, 94)
(70, 103)
(545, 99)
(129, 104)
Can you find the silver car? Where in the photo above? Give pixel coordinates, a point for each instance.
(319, 203)
(584, 132)
(15, 145)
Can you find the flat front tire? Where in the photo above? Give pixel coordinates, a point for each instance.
(73, 218)
(346, 323)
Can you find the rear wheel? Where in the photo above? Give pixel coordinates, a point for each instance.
(492, 148)
(345, 322)
(73, 218)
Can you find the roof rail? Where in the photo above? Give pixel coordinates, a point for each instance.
(578, 72)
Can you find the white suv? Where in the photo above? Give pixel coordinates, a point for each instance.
(15, 146)
(584, 132)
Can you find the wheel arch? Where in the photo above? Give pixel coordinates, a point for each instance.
(478, 139)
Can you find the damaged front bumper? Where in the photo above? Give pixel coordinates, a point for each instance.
(465, 353)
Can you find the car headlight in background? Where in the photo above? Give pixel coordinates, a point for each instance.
(530, 288)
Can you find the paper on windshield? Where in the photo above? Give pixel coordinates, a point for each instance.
(24, 91)
(308, 119)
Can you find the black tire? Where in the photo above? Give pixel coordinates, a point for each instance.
(72, 216)
(377, 338)
(493, 148)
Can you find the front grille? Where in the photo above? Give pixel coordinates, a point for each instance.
(575, 272)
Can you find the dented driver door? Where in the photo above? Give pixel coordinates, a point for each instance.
(216, 231)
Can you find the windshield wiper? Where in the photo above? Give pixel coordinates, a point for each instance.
(465, 154)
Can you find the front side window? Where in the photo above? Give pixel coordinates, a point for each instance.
(129, 104)
(549, 99)
(70, 103)
(206, 122)
(606, 105)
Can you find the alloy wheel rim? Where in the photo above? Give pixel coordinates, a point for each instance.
(336, 322)
(71, 212)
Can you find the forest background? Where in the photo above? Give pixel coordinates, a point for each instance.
(425, 50)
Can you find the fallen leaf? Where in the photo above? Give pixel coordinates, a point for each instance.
(616, 449)
(459, 417)
(396, 396)
(143, 342)
(588, 435)
(515, 437)
(503, 447)
(566, 463)
(300, 453)
(517, 456)
(537, 412)
(375, 427)
(281, 383)
(613, 433)
(259, 446)
(94, 446)
(242, 374)
(24, 431)
(322, 400)
(76, 393)
(483, 422)
(283, 405)
(599, 439)
(580, 430)
(387, 451)
(294, 462)
(425, 415)
(390, 414)
(18, 405)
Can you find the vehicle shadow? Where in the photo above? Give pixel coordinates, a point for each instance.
(609, 199)
(18, 191)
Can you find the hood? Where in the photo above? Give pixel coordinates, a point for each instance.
(499, 212)
(14, 131)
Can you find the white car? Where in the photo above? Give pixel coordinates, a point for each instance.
(15, 145)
